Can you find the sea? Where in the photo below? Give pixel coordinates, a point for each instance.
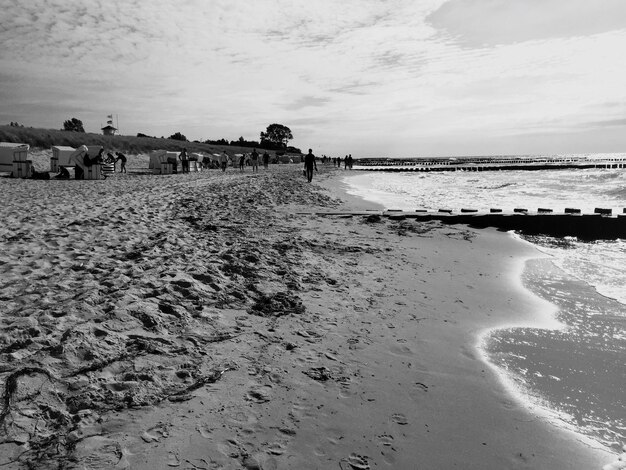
(575, 373)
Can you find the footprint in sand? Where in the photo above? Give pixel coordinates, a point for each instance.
(173, 460)
(330, 356)
(310, 336)
(239, 417)
(98, 452)
(310, 357)
(230, 448)
(353, 344)
(301, 410)
(355, 462)
(417, 392)
(399, 418)
(147, 437)
(155, 433)
(259, 394)
(385, 440)
(275, 448)
(205, 431)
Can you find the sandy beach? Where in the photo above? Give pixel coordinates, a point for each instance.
(207, 321)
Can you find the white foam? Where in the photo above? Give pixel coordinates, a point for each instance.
(544, 317)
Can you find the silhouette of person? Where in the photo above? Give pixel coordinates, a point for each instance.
(184, 161)
(254, 158)
(224, 160)
(266, 159)
(309, 164)
(122, 158)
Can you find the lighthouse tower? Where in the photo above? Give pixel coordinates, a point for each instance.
(109, 129)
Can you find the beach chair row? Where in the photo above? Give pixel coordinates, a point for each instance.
(14, 159)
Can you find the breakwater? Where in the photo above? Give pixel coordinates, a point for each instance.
(489, 164)
(601, 225)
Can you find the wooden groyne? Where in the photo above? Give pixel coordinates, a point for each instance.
(489, 164)
(601, 225)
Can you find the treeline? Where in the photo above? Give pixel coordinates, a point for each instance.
(275, 137)
(266, 145)
(279, 148)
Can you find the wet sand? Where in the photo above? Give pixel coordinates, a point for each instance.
(198, 321)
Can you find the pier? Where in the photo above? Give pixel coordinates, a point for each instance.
(489, 164)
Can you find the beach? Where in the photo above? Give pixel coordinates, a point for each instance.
(210, 320)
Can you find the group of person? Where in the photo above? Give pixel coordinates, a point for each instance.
(110, 158)
(347, 161)
(98, 159)
(251, 159)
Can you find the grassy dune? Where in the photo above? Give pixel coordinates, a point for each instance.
(46, 138)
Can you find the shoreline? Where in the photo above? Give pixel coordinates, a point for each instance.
(546, 318)
(365, 367)
(580, 315)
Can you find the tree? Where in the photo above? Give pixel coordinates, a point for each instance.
(277, 135)
(73, 125)
(216, 142)
(178, 136)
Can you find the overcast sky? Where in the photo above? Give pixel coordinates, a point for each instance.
(366, 77)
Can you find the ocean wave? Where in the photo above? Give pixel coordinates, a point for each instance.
(617, 193)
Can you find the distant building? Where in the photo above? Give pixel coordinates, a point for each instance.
(109, 130)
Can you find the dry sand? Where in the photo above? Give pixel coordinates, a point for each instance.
(200, 322)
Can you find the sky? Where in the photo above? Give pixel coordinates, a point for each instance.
(396, 78)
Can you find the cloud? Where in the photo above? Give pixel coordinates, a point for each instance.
(354, 87)
(478, 23)
(307, 101)
(364, 70)
(608, 123)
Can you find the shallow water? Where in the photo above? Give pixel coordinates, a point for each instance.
(578, 372)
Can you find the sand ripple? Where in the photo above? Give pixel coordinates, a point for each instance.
(111, 292)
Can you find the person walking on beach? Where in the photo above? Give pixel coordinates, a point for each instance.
(309, 164)
(122, 158)
(224, 160)
(242, 161)
(254, 158)
(266, 159)
(184, 161)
